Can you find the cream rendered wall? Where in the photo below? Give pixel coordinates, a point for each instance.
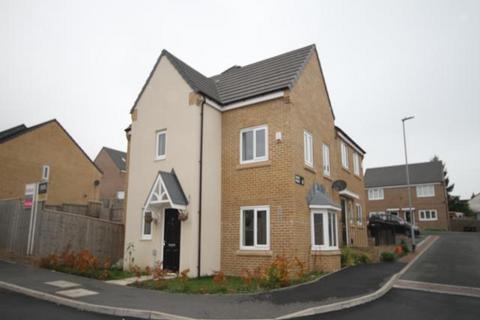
(164, 105)
(212, 190)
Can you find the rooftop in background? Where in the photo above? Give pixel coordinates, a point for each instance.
(240, 83)
(118, 157)
(425, 172)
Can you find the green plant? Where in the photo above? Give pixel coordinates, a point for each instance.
(352, 257)
(388, 257)
(405, 246)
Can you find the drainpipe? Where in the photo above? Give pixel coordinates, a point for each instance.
(200, 185)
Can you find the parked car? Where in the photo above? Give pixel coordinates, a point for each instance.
(400, 225)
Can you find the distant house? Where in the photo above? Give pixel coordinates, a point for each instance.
(46, 152)
(113, 164)
(474, 203)
(387, 192)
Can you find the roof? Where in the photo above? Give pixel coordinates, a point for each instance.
(241, 83)
(425, 172)
(118, 157)
(317, 197)
(175, 191)
(350, 139)
(19, 130)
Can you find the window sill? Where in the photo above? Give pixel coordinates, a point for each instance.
(325, 252)
(159, 159)
(357, 176)
(256, 253)
(258, 164)
(346, 169)
(145, 239)
(311, 169)
(328, 177)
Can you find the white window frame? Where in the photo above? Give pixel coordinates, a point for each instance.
(45, 168)
(308, 148)
(380, 213)
(255, 245)
(375, 194)
(145, 236)
(344, 153)
(356, 163)
(359, 213)
(121, 195)
(423, 190)
(157, 137)
(326, 236)
(424, 213)
(326, 159)
(255, 158)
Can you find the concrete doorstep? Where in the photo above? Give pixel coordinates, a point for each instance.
(151, 314)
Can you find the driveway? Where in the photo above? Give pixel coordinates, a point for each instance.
(454, 259)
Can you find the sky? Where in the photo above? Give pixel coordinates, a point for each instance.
(84, 63)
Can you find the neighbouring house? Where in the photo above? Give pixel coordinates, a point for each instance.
(474, 204)
(228, 172)
(113, 164)
(387, 192)
(46, 152)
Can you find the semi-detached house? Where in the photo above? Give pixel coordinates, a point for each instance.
(228, 172)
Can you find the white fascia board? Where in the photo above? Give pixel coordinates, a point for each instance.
(244, 103)
(408, 209)
(403, 185)
(347, 140)
(393, 209)
(349, 193)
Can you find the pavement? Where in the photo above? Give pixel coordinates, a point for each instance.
(68, 289)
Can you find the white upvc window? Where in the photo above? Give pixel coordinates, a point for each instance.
(324, 233)
(161, 145)
(45, 172)
(308, 148)
(120, 195)
(428, 215)
(146, 225)
(359, 214)
(254, 144)
(375, 194)
(326, 160)
(344, 152)
(255, 228)
(425, 190)
(377, 213)
(356, 163)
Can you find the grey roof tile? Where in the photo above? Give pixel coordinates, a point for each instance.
(425, 172)
(175, 191)
(118, 157)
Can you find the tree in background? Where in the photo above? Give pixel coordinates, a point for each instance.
(454, 202)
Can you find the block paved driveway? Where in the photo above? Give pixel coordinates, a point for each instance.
(454, 259)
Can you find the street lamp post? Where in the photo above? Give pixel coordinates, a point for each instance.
(412, 220)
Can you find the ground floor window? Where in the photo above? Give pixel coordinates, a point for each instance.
(324, 230)
(255, 228)
(428, 215)
(359, 214)
(147, 225)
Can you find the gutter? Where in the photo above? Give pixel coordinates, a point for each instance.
(200, 185)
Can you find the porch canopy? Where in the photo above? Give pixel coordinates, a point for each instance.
(319, 199)
(167, 190)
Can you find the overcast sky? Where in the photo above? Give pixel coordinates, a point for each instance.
(84, 63)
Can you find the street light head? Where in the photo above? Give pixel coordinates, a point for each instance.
(408, 118)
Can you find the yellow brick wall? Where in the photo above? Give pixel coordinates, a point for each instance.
(272, 182)
(72, 175)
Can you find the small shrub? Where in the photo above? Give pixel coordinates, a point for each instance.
(352, 257)
(405, 246)
(388, 257)
(184, 275)
(300, 268)
(219, 277)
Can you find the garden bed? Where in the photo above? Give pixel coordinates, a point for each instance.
(222, 285)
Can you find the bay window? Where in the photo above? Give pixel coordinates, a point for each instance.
(324, 230)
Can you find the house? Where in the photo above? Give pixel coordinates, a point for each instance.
(113, 164)
(46, 152)
(474, 204)
(387, 192)
(228, 172)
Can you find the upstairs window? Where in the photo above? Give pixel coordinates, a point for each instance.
(326, 160)
(161, 145)
(254, 228)
(308, 148)
(45, 172)
(254, 144)
(375, 194)
(344, 152)
(426, 190)
(356, 164)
